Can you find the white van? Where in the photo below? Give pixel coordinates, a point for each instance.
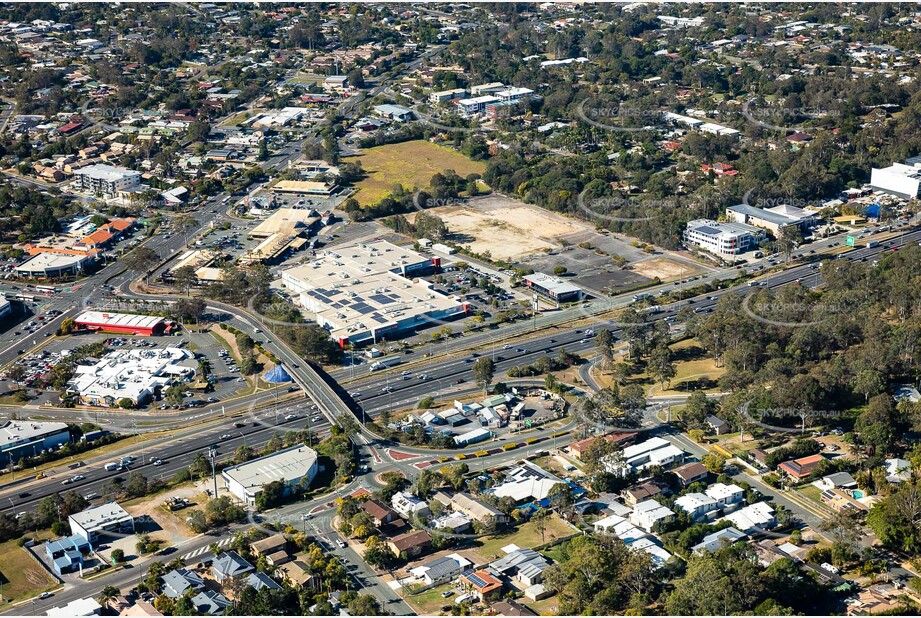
(111, 466)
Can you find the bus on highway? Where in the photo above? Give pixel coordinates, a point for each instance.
(46, 289)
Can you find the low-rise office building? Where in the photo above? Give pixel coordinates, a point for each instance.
(100, 520)
(898, 179)
(723, 238)
(293, 466)
(773, 219)
(553, 288)
(20, 439)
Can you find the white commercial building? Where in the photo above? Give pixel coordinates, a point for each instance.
(774, 218)
(292, 466)
(364, 293)
(109, 517)
(30, 438)
(137, 375)
(722, 238)
(476, 105)
(898, 179)
(553, 287)
(51, 264)
(79, 607)
(106, 179)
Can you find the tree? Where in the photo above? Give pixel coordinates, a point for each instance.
(173, 395)
(142, 259)
(714, 462)
(454, 475)
(118, 556)
(484, 370)
(108, 593)
(189, 309)
(660, 365)
(271, 496)
(604, 344)
(67, 327)
(136, 485)
(184, 278)
(364, 605)
(539, 519)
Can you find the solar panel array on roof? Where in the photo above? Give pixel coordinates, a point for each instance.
(706, 229)
(363, 308)
(476, 580)
(381, 299)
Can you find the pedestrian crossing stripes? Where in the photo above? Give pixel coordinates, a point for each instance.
(203, 550)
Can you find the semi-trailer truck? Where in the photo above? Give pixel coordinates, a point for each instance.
(385, 363)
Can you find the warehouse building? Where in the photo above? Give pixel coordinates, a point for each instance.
(106, 179)
(364, 293)
(722, 238)
(286, 230)
(20, 439)
(898, 179)
(305, 188)
(296, 465)
(136, 375)
(108, 518)
(125, 323)
(553, 288)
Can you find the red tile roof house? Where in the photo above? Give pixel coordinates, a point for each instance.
(720, 169)
(802, 467)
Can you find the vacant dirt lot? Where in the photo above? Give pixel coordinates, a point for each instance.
(664, 268)
(507, 229)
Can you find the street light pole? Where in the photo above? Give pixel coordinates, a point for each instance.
(212, 455)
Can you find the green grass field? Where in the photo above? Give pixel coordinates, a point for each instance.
(526, 535)
(410, 164)
(21, 576)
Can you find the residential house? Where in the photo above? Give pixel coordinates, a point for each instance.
(648, 513)
(511, 607)
(526, 482)
(841, 501)
(690, 473)
(838, 479)
(411, 544)
(802, 467)
(718, 539)
(577, 449)
(261, 580)
(641, 492)
(697, 505)
(210, 603)
(753, 518)
(441, 569)
(718, 425)
(274, 548)
(472, 507)
(526, 565)
(725, 495)
(409, 506)
(230, 565)
(380, 513)
(178, 581)
(616, 525)
(486, 586)
(898, 470)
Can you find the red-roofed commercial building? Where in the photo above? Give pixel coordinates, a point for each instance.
(802, 467)
(97, 240)
(126, 323)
